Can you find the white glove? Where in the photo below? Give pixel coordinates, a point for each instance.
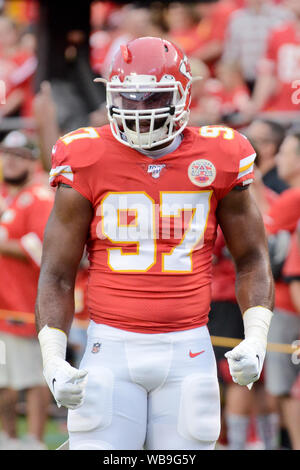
(66, 383)
(246, 360)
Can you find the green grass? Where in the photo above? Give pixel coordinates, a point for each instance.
(55, 432)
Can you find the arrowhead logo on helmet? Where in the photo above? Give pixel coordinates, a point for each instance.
(125, 53)
(185, 68)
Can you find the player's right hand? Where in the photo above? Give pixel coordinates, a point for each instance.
(66, 383)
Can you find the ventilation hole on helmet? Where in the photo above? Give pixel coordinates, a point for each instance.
(166, 48)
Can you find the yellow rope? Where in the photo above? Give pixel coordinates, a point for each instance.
(274, 347)
(216, 340)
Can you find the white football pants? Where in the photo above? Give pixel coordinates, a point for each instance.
(151, 391)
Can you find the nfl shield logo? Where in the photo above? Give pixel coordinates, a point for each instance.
(96, 348)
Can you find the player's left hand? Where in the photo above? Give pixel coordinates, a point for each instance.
(246, 361)
(66, 383)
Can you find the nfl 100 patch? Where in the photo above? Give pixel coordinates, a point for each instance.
(155, 169)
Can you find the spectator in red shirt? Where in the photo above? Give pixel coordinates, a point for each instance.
(17, 66)
(130, 22)
(219, 99)
(266, 137)
(228, 92)
(247, 34)
(203, 108)
(281, 372)
(277, 86)
(182, 21)
(28, 205)
(211, 30)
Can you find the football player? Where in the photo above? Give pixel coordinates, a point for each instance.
(146, 194)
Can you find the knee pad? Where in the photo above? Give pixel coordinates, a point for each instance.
(199, 409)
(96, 411)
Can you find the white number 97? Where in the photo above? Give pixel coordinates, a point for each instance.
(142, 231)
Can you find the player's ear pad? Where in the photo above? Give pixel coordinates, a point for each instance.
(199, 410)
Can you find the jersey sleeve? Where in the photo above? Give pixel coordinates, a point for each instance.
(72, 161)
(236, 162)
(246, 157)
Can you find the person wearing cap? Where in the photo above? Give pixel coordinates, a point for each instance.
(26, 205)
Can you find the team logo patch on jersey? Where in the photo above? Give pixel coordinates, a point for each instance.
(96, 348)
(155, 170)
(202, 172)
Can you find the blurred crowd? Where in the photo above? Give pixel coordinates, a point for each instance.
(247, 53)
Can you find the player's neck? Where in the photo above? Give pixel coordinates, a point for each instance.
(165, 145)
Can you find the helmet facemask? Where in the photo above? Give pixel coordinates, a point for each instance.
(144, 113)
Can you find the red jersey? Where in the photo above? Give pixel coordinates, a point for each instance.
(284, 215)
(291, 269)
(282, 58)
(189, 39)
(24, 220)
(285, 212)
(17, 72)
(213, 27)
(226, 101)
(290, 272)
(154, 226)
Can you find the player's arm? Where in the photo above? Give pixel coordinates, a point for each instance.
(243, 229)
(45, 114)
(12, 249)
(263, 90)
(64, 242)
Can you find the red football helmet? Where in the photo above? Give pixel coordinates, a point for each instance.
(148, 92)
